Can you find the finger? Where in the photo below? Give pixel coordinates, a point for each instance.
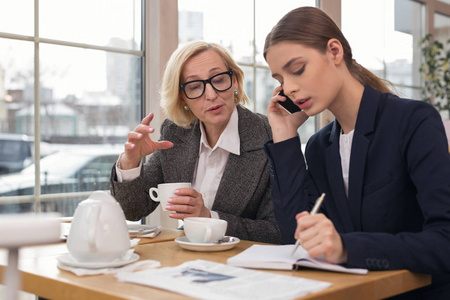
(273, 104)
(179, 216)
(302, 214)
(182, 200)
(129, 146)
(186, 191)
(298, 229)
(321, 245)
(310, 237)
(305, 223)
(313, 251)
(133, 135)
(277, 98)
(186, 209)
(277, 90)
(164, 145)
(147, 119)
(322, 233)
(141, 128)
(308, 221)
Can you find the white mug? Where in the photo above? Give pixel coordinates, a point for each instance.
(98, 232)
(204, 230)
(165, 191)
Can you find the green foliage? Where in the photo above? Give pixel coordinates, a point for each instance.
(435, 73)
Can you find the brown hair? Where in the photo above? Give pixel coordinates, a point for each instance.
(171, 96)
(312, 27)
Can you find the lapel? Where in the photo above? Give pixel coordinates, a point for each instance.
(349, 211)
(239, 181)
(334, 174)
(365, 125)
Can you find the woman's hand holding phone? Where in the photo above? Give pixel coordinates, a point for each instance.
(284, 123)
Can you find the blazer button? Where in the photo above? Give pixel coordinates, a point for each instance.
(379, 264)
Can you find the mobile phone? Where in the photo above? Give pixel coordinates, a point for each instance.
(288, 104)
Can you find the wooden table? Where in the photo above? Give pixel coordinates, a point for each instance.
(42, 277)
(167, 234)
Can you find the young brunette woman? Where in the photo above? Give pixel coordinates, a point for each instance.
(383, 163)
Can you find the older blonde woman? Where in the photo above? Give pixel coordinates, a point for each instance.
(210, 140)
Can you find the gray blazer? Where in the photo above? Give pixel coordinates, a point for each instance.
(243, 198)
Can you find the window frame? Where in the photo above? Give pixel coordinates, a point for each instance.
(37, 197)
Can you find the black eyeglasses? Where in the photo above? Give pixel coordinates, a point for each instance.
(196, 88)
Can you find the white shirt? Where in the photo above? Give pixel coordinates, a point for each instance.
(210, 164)
(345, 147)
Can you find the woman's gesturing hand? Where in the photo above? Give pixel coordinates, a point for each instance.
(188, 203)
(139, 144)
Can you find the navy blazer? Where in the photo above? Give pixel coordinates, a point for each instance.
(397, 214)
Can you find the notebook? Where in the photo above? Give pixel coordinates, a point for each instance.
(278, 257)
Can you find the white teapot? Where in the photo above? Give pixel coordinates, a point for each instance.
(98, 232)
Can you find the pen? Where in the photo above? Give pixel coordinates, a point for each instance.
(314, 210)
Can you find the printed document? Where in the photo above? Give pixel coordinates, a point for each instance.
(209, 280)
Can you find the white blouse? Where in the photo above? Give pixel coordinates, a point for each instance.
(345, 147)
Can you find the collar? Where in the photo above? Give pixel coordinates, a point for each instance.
(367, 113)
(229, 139)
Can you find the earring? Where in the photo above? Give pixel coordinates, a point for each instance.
(186, 108)
(236, 92)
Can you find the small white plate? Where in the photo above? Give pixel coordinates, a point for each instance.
(185, 244)
(67, 259)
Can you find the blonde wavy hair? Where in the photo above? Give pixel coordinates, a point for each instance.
(171, 94)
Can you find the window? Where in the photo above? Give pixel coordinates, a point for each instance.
(389, 44)
(70, 80)
(442, 27)
(73, 77)
(241, 26)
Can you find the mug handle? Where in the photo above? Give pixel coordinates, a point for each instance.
(208, 235)
(94, 217)
(151, 191)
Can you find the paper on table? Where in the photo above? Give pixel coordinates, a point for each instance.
(209, 280)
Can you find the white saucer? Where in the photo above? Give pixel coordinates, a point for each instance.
(185, 244)
(68, 260)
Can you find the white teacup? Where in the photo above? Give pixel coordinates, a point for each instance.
(204, 230)
(165, 191)
(98, 232)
